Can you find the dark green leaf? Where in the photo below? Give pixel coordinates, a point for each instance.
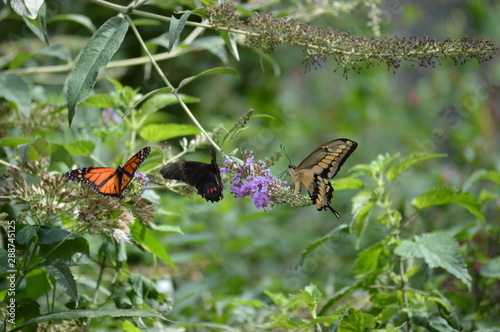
(434, 324)
(48, 234)
(437, 250)
(448, 195)
(220, 70)
(95, 56)
(176, 27)
(25, 235)
(62, 274)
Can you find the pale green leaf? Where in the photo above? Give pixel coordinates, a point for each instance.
(437, 250)
(491, 269)
(37, 22)
(35, 150)
(104, 100)
(348, 183)
(370, 259)
(387, 313)
(230, 43)
(16, 90)
(162, 132)
(448, 195)
(482, 174)
(219, 70)
(95, 56)
(161, 100)
(27, 9)
(148, 241)
(434, 324)
(80, 148)
(317, 247)
(401, 165)
(145, 97)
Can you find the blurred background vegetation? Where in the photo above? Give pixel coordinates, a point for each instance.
(231, 250)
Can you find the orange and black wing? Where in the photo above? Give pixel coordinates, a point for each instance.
(107, 181)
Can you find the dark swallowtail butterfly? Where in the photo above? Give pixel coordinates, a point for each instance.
(322, 164)
(205, 177)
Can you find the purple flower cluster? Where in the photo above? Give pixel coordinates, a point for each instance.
(142, 179)
(254, 179)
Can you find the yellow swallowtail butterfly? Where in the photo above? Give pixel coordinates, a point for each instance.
(322, 164)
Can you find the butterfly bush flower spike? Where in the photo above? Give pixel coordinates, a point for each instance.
(255, 179)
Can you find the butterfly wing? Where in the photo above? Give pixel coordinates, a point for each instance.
(107, 181)
(319, 166)
(205, 177)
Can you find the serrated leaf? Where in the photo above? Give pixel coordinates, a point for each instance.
(161, 132)
(95, 56)
(148, 241)
(448, 195)
(80, 148)
(88, 313)
(16, 90)
(362, 205)
(337, 295)
(402, 165)
(491, 269)
(35, 150)
(369, 259)
(387, 313)
(356, 321)
(176, 27)
(219, 70)
(437, 250)
(62, 274)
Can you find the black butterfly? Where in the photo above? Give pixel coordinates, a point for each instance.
(205, 177)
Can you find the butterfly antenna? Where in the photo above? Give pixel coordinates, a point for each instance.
(284, 152)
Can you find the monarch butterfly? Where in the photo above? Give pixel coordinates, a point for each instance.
(108, 181)
(322, 164)
(205, 177)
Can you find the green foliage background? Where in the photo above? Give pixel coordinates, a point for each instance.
(416, 248)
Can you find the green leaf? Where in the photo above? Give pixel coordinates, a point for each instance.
(448, 195)
(25, 235)
(387, 313)
(356, 321)
(161, 100)
(176, 27)
(482, 174)
(13, 142)
(77, 18)
(434, 324)
(220, 70)
(165, 131)
(104, 100)
(149, 242)
(338, 294)
(27, 9)
(16, 90)
(491, 269)
(49, 234)
(80, 148)
(401, 165)
(363, 204)
(37, 23)
(62, 274)
(230, 42)
(348, 183)
(35, 150)
(336, 234)
(370, 259)
(88, 313)
(437, 250)
(310, 297)
(95, 56)
(4, 261)
(146, 96)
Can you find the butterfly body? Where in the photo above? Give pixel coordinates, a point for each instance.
(318, 167)
(106, 181)
(205, 177)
